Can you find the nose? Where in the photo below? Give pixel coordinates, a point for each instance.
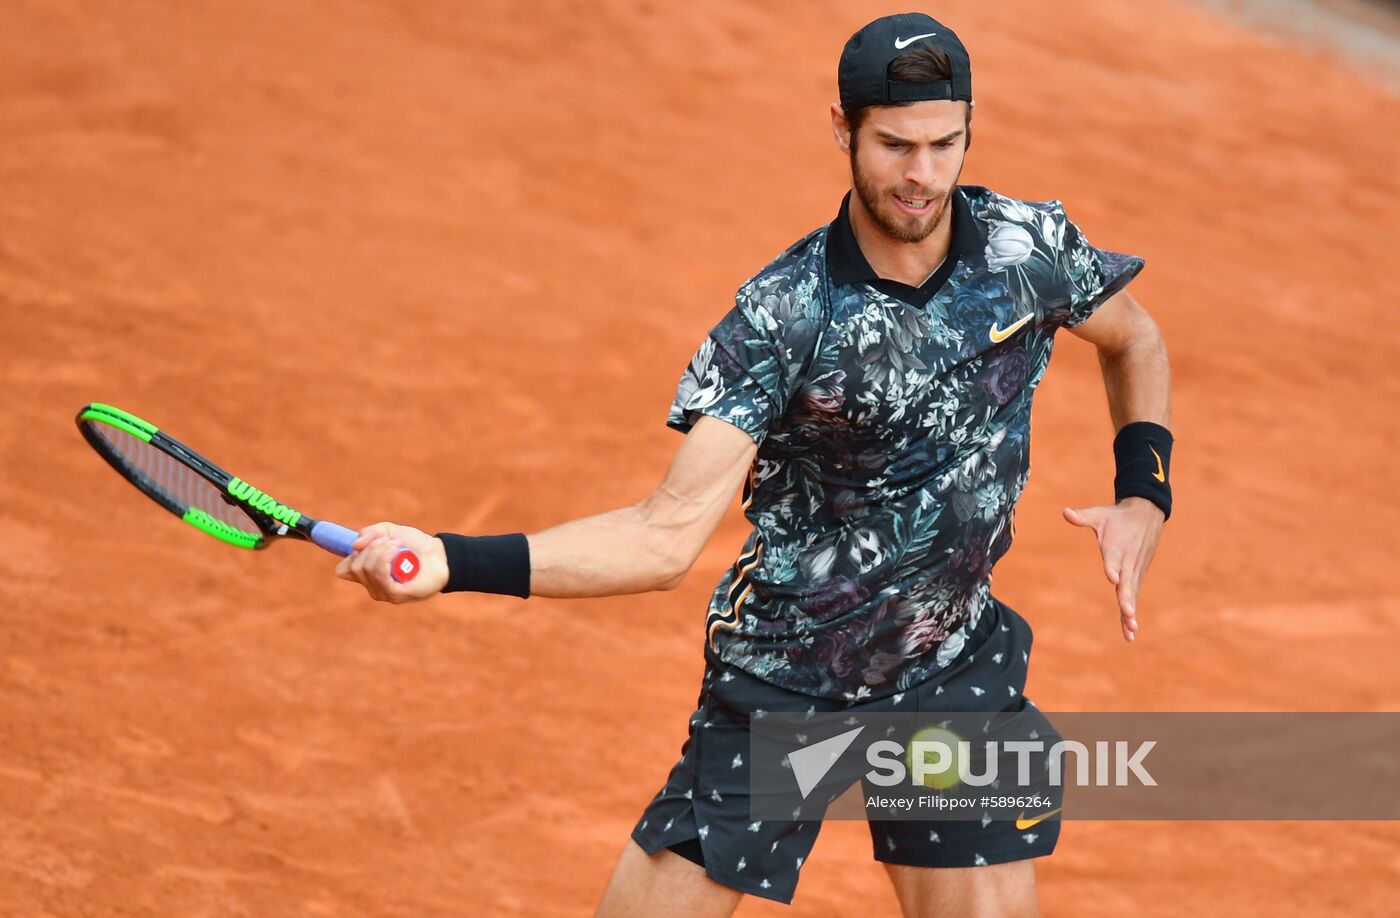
(919, 169)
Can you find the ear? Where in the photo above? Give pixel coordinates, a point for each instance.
(840, 128)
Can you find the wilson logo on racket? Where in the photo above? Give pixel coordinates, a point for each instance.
(260, 501)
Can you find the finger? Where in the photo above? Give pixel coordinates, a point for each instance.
(1127, 597)
(1078, 517)
(357, 560)
(377, 569)
(384, 530)
(360, 561)
(342, 569)
(380, 571)
(390, 590)
(1128, 588)
(1114, 562)
(1128, 614)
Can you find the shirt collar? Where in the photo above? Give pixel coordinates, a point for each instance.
(847, 263)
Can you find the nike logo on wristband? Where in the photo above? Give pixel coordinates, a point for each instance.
(1161, 473)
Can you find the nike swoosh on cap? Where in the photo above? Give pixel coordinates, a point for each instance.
(901, 43)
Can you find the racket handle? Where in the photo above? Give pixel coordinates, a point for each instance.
(341, 541)
(405, 566)
(333, 538)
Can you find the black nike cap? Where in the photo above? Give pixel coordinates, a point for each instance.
(863, 75)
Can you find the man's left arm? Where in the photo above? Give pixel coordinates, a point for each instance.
(1137, 377)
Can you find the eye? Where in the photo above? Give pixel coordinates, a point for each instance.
(896, 145)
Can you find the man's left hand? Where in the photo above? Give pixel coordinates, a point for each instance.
(1127, 534)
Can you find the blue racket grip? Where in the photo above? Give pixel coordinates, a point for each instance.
(338, 539)
(334, 538)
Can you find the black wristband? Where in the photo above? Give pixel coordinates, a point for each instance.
(1143, 453)
(487, 564)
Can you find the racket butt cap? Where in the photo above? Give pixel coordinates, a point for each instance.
(405, 566)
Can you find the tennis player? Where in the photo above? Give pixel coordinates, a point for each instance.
(870, 394)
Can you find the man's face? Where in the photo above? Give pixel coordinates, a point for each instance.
(906, 164)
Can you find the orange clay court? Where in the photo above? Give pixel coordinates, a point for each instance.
(443, 264)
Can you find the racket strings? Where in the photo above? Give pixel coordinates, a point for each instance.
(154, 471)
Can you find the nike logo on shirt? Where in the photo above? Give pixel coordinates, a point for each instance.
(1001, 334)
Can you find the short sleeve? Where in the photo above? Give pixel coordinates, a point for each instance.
(746, 370)
(1094, 275)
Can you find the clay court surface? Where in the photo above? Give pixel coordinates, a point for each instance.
(405, 261)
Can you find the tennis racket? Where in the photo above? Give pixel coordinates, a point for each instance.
(204, 495)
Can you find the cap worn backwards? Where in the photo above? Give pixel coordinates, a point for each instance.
(863, 74)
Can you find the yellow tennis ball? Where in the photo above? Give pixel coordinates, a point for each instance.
(940, 775)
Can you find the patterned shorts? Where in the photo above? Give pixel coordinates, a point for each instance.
(703, 810)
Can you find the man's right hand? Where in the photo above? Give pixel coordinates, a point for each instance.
(374, 552)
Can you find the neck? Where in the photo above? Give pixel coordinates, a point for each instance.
(909, 263)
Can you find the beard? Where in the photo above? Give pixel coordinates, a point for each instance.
(885, 214)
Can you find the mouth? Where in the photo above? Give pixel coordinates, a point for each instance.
(916, 206)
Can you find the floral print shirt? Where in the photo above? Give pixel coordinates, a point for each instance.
(893, 426)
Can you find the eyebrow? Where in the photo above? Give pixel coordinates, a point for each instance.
(886, 135)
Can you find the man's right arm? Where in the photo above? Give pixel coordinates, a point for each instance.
(652, 544)
(648, 546)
